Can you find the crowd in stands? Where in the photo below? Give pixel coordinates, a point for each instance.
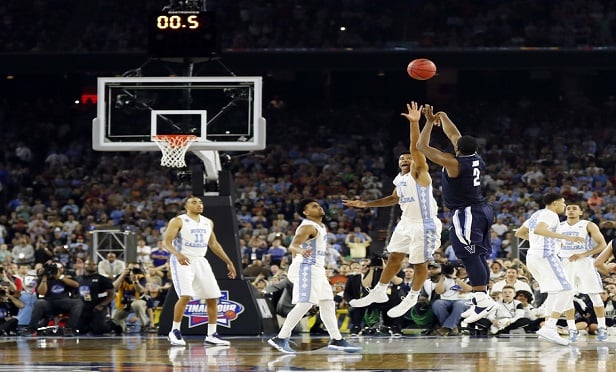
(122, 26)
(56, 189)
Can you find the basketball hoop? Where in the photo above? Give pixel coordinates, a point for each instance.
(173, 147)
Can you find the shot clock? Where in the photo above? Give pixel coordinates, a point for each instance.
(182, 34)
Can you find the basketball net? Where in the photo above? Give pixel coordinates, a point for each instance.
(173, 147)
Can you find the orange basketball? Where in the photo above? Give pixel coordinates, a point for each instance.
(421, 69)
(230, 314)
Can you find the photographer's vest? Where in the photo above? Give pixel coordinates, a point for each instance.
(127, 290)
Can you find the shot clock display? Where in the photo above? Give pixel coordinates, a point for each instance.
(183, 34)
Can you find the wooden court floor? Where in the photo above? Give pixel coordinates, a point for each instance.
(153, 353)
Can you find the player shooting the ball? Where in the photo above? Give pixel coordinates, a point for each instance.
(462, 194)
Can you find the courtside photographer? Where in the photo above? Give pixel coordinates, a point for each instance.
(448, 308)
(56, 296)
(130, 287)
(9, 306)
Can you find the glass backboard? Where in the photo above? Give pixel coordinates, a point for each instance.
(223, 112)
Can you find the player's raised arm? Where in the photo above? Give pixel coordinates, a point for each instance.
(413, 116)
(450, 129)
(444, 159)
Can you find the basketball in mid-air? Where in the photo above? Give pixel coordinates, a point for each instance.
(421, 69)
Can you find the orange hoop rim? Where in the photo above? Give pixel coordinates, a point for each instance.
(175, 140)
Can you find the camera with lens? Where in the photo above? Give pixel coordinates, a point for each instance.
(50, 269)
(448, 269)
(134, 270)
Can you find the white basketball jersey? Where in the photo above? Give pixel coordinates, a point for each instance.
(578, 229)
(318, 245)
(194, 235)
(540, 245)
(416, 202)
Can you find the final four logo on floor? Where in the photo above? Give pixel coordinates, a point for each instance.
(228, 311)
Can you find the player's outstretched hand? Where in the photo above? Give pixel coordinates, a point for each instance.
(354, 203)
(414, 113)
(428, 112)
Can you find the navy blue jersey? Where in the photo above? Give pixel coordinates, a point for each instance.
(465, 189)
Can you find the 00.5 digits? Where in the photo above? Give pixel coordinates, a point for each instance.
(175, 22)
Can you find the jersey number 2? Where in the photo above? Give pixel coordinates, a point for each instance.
(476, 174)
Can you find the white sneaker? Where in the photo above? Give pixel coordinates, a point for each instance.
(602, 334)
(403, 307)
(214, 339)
(470, 310)
(370, 298)
(477, 312)
(550, 334)
(176, 338)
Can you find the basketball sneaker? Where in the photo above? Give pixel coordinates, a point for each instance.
(602, 334)
(175, 336)
(478, 310)
(281, 344)
(214, 339)
(574, 334)
(470, 310)
(372, 297)
(403, 307)
(550, 334)
(343, 345)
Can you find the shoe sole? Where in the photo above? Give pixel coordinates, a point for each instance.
(346, 349)
(358, 303)
(223, 343)
(477, 316)
(559, 341)
(396, 311)
(279, 348)
(175, 343)
(468, 312)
